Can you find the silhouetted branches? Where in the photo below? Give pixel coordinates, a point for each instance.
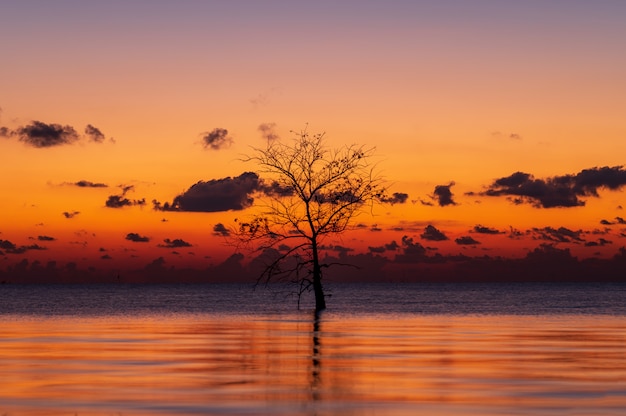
(322, 190)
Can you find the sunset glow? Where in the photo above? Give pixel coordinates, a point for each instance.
(503, 122)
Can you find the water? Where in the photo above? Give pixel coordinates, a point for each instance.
(378, 350)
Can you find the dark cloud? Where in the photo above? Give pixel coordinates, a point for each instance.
(466, 240)
(94, 134)
(274, 189)
(443, 195)
(45, 238)
(220, 229)
(136, 238)
(268, 131)
(106, 257)
(342, 250)
(378, 250)
(515, 234)
(222, 194)
(393, 246)
(71, 214)
(10, 248)
(175, 243)
(558, 235)
(433, 234)
(485, 230)
(396, 198)
(89, 184)
(557, 191)
(39, 134)
(411, 251)
(599, 243)
(618, 220)
(216, 139)
(120, 201)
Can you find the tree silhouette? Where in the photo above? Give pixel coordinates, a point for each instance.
(311, 192)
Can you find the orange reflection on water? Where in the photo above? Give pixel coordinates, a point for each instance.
(215, 364)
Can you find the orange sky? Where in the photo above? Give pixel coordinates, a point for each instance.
(449, 92)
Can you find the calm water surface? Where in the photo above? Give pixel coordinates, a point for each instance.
(378, 350)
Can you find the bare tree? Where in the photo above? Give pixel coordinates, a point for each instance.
(312, 192)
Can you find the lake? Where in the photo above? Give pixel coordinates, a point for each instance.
(379, 349)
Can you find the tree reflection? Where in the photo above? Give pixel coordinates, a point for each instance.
(316, 356)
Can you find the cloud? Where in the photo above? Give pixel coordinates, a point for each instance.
(263, 98)
(411, 251)
(10, 248)
(378, 250)
(42, 135)
(221, 194)
(45, 238)
(466, 240)
(39, 134)
(106, 257)
(485, 230)
(443, 195)
(599, 243)
(175, 243)
(511, 136)
(268, 131)
(120, 201)
(558, 191)
(342, 250)
(558, 235)
(94, 134)
(515, 234)
(396, 198)
(70, 214)
(220, 229)
(393, 246)
(433, 234)
(136, 238)
(216, 139)
(89, 184)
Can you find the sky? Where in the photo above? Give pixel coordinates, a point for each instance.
(503, 122)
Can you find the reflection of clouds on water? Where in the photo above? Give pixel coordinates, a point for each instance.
(240, 357)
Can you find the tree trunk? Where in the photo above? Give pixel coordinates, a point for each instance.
(320, 300)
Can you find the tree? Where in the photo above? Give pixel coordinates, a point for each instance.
(312, 192)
